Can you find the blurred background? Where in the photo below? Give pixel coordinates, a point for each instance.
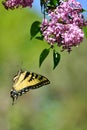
(62, 105)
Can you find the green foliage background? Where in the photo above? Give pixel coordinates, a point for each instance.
(62, 105)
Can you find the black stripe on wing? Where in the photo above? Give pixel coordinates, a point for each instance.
(36, 76)
(40, 84)
(26, 75)
(33, 87)
(41, 77)
(32, 77)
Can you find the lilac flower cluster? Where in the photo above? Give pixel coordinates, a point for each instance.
(65, 25)
(11, 4)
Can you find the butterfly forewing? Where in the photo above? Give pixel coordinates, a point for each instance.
(16, 77)
(30, 80)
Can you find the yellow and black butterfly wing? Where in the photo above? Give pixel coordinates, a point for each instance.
(29, 80)
(24, 81)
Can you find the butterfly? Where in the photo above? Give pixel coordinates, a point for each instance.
(24, 81)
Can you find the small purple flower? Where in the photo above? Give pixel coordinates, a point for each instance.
(73, 36)
(12, 4)
(64, 26)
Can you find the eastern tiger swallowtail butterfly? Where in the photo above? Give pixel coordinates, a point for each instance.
(24, 81)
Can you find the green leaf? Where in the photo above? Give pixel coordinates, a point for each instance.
(83, 10)
(35, 28)
(40, 38)
(43, 55)
(56, 58)
(85, 31)
(42, 3)
(54, 2)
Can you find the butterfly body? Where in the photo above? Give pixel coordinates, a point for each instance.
(24, 81)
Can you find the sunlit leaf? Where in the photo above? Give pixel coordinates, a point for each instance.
(56, 58)
(85, 31)
(43, 55)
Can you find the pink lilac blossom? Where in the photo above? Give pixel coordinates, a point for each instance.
(12, 4)
(64, 26)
